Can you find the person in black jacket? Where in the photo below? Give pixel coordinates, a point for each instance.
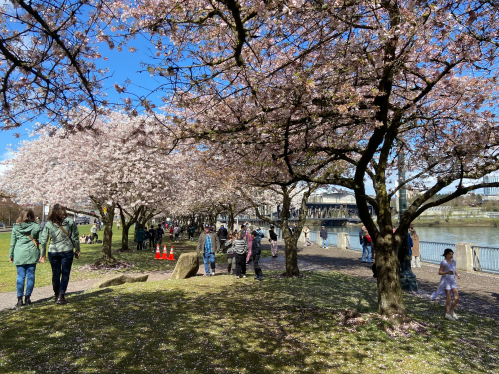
(222, 235)
(158, 233)
(273, 241)
(152, 237)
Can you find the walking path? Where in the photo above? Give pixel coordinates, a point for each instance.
(479, 292)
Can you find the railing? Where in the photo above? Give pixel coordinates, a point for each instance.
(433, 251)
(485, 258)
(313, 236)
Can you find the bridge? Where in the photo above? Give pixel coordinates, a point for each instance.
(329, 214)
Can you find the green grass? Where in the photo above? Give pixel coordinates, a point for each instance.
(143, 261)
(223, 325)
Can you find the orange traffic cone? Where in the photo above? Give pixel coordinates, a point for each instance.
(171, 255)
(165, 253)
(158, 253)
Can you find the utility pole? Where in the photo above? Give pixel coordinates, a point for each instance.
(401, 180)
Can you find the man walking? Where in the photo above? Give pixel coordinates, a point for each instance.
(158, 234)
(208, 244)
(324, 237)
(93, 230)
(222, 236)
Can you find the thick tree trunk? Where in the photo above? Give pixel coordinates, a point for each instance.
(290, 241)
(124, 237)
(390, 296)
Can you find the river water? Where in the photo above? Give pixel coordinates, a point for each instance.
(481, 236)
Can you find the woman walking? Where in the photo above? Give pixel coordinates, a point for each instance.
(448, 284)
(273, 241)
(64, 244)
(24, 253)
(416, 259)
(306, 232)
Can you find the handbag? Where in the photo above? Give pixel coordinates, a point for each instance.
(76, 254)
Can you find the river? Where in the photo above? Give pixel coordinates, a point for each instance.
(481, 236)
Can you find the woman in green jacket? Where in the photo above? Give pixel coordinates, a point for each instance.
(64, 241)
(24, 253)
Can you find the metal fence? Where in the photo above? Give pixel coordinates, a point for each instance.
(433, 251)
(485, 258)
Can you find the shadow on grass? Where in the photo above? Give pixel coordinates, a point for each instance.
(219, 325)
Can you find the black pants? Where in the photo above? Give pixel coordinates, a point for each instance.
(256, 265)
(158, 242)
(151, 243)
(94, 235)
(240, 264)
(140, 246)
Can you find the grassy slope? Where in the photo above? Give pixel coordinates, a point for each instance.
(143, 260)
(220, 325)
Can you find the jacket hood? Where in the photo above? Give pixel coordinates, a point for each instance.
(27, 227)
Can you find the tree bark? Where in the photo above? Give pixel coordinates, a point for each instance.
(107, 241)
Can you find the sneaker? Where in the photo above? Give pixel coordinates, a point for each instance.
(244, 276)
(238, 277)
(454, 315)
(449, 317)
(213, 273)
(256, 276)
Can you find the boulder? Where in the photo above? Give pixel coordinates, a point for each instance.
(187, 266)
(138, 278)
(111, 280)
(116, 280)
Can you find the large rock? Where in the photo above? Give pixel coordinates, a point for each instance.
(187, 266)
(139, 278)
(116, 280)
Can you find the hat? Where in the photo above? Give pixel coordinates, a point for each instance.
(322, 226)
(207, 225)
(446, 251)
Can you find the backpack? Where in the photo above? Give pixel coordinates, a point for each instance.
(369, 240)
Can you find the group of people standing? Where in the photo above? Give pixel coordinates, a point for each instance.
(28, 246)
(242, 248)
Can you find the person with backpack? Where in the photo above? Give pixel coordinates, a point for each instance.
(222, 235)
(64, 246)
(273, 241)
(176, 232)
(366, 246)
(158, 235)
(24, 253)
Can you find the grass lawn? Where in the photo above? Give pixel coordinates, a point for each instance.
(223, 325)
(143, 261)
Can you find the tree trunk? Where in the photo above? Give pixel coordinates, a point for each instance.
(230, 222)
(290, 241)
(390, 296)
(107, 218)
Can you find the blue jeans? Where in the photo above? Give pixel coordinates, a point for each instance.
(61, 268)
(324, 243)
(25, 272)
(366, 250)
(209, 259)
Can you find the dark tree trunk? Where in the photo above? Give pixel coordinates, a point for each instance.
(230, 222)
(107, 241)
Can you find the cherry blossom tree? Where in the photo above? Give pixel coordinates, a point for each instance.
(348, 83)
(48, 60)
(121, 161)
